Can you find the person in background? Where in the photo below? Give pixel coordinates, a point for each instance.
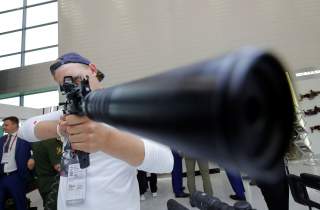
(15, 154)
(177, 181)
(276, 194)
(47, 157)
(204, 171)
(143, 180)
(236, 184)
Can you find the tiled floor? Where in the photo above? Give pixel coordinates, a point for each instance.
(221, 187)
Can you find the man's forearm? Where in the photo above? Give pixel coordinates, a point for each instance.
(124, 146)
(40, 127)
(46, 129)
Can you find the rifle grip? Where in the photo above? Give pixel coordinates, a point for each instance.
(83, 159)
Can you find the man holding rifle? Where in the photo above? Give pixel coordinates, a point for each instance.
(219, 109)
(110, 180)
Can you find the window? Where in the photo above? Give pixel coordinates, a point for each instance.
(41, 37)
(31, 2)
(11, 4)
(11, 101)
(10, 21)
(41, 56)
(42, 100)
(42, 14)
(9, 62)
(10, 43)
(35, 35)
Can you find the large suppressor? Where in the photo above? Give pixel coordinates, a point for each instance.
(236, 110)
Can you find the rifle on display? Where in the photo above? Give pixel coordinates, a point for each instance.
(311, 95)
(310, 112)
(316, 127)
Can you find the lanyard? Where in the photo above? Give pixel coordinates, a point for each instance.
(12, 142)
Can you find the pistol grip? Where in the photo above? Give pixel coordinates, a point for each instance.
(83, 159)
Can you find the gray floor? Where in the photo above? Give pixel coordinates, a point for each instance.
(221, 188)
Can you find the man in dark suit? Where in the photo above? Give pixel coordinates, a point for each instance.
(14, 155)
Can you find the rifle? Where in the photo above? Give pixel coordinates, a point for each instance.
(220, 109)
(316, 127)
(313, 111)
(310, 95)
(75, 98)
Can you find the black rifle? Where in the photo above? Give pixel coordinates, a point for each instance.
(236, 110)
(310, 95)
(313, 111)
(205, 202)
(316, 127)
(75, 94)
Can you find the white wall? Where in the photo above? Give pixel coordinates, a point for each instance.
(130, 39)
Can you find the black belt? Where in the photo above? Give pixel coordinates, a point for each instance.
(9, 173)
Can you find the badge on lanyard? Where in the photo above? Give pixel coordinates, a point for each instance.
(68, 157)
(76, 177)
(5, 158)
(7, 148)
(76, 186)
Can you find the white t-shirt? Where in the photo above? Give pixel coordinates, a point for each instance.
(111, 183)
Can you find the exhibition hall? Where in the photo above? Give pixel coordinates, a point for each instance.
(159, 105)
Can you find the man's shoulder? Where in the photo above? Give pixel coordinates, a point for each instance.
(23, 141)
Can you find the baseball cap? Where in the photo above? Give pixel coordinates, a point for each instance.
(72, 57)
(68, 58)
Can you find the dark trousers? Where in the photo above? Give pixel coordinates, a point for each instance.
(14, 186)
(143, 182)
(50, 198)
(276, 195)
(177, 174)
(236, 183)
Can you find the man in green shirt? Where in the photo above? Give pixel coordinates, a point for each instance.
(47, 155)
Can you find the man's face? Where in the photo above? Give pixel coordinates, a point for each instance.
(9, 126)
(77, 71)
